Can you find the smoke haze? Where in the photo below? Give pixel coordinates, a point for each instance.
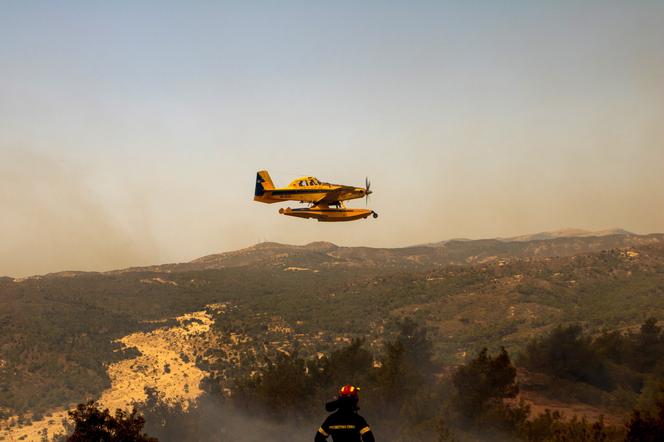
(132, 136)
(51, 220)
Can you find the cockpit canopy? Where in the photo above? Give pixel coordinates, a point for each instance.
(304, 182)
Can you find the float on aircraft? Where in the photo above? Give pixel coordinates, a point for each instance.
(326, 201)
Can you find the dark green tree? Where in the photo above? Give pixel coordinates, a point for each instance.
(484, 380)
(281, 389)
(174, 422)
(612, 345)
(91, 423)
(348, 365)
(407, 364)
(552, 427)
(567, 354)
(646, 427)
(648, 346)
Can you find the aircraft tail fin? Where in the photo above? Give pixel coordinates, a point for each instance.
(263, 183)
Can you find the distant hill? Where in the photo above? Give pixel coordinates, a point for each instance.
(570, 233)
(564, 242)
(547, 244)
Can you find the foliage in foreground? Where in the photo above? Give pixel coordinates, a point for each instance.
(406, 396)
(91, 423)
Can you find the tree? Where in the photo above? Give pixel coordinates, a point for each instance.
(612, 345)
(407, 364)
(282, 388)
(348, 365)
(565, 353)
(202, 420)
(484, 381)
(91, 423)
(648, 346)
(552, 427)
(646, 427)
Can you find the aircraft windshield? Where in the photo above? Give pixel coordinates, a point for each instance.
(305, 181)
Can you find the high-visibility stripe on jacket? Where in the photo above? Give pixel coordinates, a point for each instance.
(345, 426)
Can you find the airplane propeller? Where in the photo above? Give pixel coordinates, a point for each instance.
(367, 185)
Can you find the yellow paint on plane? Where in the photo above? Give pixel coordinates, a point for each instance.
(326, 200)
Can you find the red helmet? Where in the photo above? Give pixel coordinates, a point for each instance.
(348, 391)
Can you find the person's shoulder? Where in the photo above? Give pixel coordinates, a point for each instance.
(330, 417)
(333, 416)
(360, 419)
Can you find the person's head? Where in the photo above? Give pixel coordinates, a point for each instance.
(346, 400)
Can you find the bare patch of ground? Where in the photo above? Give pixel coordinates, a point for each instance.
(166, 363)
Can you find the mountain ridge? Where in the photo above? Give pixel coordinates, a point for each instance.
(563, 242)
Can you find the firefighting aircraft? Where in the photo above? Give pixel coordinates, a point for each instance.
(326, 201)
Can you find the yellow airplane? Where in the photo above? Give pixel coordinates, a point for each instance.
(326, 200)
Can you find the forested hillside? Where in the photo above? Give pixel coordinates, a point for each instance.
(59, 331)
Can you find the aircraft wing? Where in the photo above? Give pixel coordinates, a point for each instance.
(330, 197)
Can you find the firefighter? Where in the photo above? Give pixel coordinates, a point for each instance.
(345, 425)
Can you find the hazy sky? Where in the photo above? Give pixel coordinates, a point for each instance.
(130, 132)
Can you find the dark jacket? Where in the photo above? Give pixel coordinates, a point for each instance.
(345, 425)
